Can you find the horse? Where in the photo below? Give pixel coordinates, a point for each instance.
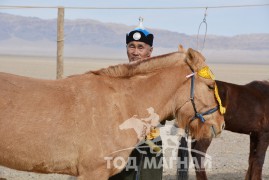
(247, 112)
(71, 125)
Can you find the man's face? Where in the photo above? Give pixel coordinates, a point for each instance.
(138, 50)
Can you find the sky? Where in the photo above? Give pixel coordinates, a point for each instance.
(220, 21)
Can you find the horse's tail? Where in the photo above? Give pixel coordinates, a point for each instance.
(183, 160)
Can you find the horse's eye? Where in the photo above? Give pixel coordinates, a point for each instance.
(211, 87)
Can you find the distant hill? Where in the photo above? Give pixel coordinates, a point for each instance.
(31, 35)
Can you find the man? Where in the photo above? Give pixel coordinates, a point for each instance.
(139, 44)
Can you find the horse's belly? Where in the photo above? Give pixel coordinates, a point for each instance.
(38, 159)
(38, 147)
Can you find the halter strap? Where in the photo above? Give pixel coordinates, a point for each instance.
(196, 113)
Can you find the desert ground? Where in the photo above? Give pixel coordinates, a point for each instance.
(229, 153)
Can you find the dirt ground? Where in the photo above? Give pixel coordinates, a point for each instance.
(228, 153)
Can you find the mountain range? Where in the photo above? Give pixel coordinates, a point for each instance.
(31, 35)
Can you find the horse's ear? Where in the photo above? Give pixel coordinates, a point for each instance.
(191, 59)
(194, 59)
(181, 49)
(190, 52)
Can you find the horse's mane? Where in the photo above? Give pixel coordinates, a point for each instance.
(141, 66)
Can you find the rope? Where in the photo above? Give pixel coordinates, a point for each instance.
(134, 8)
(203, 22)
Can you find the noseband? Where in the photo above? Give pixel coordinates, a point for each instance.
(196, 113)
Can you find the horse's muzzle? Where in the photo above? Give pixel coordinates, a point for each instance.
(214, 132)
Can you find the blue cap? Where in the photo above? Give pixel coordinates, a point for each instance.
(140, 34)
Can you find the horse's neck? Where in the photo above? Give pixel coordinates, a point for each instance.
(158, 90)
(228, 92)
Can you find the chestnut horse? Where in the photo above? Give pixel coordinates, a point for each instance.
(247, 112)
(71, 126)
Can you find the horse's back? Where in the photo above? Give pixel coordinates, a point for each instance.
(22, 92)
(254, 89)
(12, 82)
(261, 87)
(14, 88)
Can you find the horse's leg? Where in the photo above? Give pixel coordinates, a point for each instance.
(198, 158)
(258, 145)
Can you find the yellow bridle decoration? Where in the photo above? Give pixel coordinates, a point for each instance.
(221, 108)
(205, 72)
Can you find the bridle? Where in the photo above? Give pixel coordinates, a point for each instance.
(196, 113)
(205, 73)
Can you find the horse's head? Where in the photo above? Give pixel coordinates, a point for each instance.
(200, 113)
